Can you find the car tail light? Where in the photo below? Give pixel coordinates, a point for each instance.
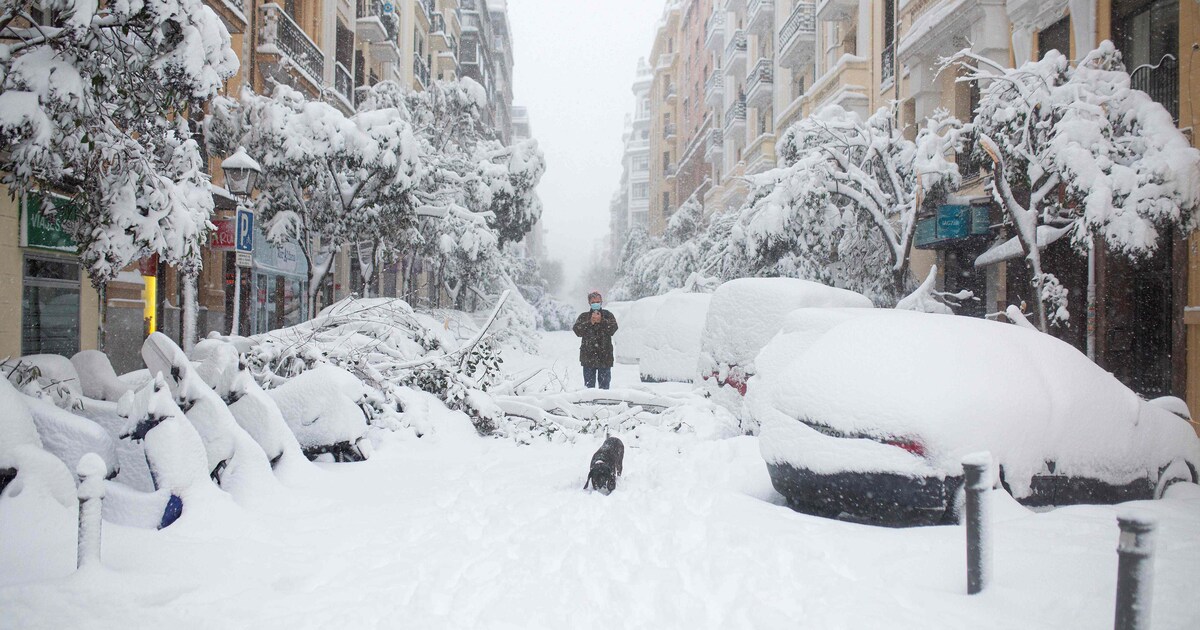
(912, 446)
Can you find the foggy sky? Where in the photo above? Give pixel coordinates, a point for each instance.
(575, 62)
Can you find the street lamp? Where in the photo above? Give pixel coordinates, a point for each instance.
(241, 173)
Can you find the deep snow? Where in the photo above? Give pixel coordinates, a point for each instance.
(454, 531)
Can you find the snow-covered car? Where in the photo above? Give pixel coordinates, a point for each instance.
(671, 339)
(743, 316)
(868, 418)
(661, 334)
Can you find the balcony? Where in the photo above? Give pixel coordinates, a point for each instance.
(231, 12)
(735, 116)
(760, 84)
(369, 24)
(735, 53)
(425, 9)
(798, 38)
(669, 131)
(844, 85)
(671, 94)
(714, 89)
(439, 35)
(343, 84)
(760, 18)
(1160, 82)
(297, 53)
(714, 31)
(837, 10)
(671, 171)
(714, 145)
(421, 71)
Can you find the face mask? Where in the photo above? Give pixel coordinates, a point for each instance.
(596, 306)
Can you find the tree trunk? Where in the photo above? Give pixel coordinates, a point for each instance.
(190, 308)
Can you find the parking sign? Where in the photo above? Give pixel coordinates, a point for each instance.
(245, 230)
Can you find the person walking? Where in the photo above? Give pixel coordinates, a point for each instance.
(596, 328)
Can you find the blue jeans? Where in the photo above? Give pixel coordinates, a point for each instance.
(590, 374)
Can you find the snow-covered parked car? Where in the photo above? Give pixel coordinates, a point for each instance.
(671, 338)
(743, 316)
(868, 418)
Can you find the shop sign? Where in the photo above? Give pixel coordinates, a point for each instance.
(48, 232)
(221, 239)
(951, 223)
(286, 258)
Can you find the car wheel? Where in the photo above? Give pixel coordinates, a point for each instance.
(1177, 471)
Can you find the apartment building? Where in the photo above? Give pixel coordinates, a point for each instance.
(486, 56)
(630, 204)
(773, 62)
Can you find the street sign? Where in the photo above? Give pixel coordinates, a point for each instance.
(245, 230)
(243, 259)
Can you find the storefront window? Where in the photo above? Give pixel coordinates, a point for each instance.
(50, 307)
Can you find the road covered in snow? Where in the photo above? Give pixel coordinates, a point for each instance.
(451, 530)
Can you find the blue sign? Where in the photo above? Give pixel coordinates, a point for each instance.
(244, 231)
(951, 223)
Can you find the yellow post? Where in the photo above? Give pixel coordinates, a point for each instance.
(150, 298)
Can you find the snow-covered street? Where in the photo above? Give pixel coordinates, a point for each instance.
(457, 531)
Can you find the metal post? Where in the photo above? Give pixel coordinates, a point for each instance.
(978, 483)
(1134, 571)
(91, 471)
(237, 299)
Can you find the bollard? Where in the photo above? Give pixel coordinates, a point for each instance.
(91, 471)
(978, 483)
(1134, 570)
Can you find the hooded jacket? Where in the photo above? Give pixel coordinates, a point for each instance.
(596, 349)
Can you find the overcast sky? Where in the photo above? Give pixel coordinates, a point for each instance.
(575, 65)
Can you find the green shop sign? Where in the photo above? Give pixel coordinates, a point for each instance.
(48, 231)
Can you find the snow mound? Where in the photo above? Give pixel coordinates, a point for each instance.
(320, 405)
(97, 378)
(629, 343)
(69, 437)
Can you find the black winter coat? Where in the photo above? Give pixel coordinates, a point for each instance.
(596, 349)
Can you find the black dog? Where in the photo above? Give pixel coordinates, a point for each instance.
(606, 466)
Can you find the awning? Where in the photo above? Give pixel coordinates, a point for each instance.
(1010, 249)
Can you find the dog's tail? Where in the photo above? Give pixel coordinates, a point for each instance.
(585, 482)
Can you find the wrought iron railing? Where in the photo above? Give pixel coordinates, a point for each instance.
(737, 44)
(1160, 82)
(421, 70)
(343, 82)
(715, 83)
(763, 73)
(715, 23)
(802, 20)
(438, 22)
(736, 111)
(282, 32)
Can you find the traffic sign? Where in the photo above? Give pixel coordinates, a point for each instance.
(245, 230)
(243, 259)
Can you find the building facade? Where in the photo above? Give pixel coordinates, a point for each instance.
(328, 49)
(768, 63)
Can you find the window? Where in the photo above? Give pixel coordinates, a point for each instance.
(50, 307)
(797, 85)
(666, 159)
(641, 163)
(887, 58)
(666, 204)
(1147, 34)
(641, 191)
(1057, 36)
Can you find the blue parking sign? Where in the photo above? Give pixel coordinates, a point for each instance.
(244, 237)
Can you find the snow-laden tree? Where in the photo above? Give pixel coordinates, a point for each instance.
(328, 180)
(877, 178)
(477, 195)
(95, 104)
(1076, 148)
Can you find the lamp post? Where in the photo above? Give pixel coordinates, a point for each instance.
(241, 173)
